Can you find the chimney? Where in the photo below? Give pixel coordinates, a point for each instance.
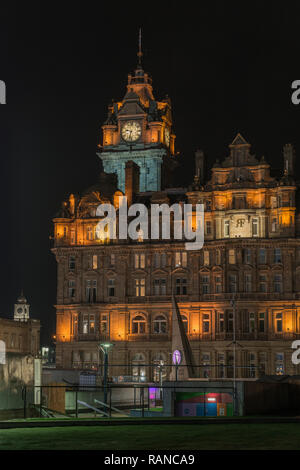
(199, 165)
(132, 181)
(289, 159)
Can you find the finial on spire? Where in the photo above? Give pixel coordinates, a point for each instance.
(140, 54)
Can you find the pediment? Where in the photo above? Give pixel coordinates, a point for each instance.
(158, 272)
(131, 108)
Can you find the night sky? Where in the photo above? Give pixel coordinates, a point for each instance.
(227, 68)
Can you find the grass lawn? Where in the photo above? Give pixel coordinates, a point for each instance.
(185, 436)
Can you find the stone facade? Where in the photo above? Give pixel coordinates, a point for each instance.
(20, 337)
(247, 273)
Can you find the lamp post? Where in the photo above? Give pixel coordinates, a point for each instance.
(105, 347)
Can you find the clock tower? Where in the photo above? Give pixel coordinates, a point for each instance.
(21, 310)
(139, 128)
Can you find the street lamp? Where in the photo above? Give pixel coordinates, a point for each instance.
(105, 347)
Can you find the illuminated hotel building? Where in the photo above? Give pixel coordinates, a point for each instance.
(121, 291)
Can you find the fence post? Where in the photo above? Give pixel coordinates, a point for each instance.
(24, 392)
(41, 402)
(143, 404)
(76, 402)
(110, 391)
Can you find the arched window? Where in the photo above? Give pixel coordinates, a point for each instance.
(185, 322)
(138, 325)
(160, 324)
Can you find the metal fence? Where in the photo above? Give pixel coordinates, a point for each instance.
(126, 400)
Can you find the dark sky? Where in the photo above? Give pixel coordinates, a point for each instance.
(227, 68)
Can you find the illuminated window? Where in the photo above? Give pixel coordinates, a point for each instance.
(75, 325)
(138, 325)
(138, 368)
(231, 257)
(181, 286)
(160, 371)
(181, 259)
(140, 287)
(89, 233)
(273, 202)
(72, 236)
(279, 363)
(140, 237)
(160, 286)
(139, 261)
(254, 227)
(65, 232)
(92, 324)
(208, 205)
(95, 261)
(111, 287)
(205, 323)
(221, 322)
(274, 225)
(206, 258)
(218, 257)
(85, 324)
(278, 322)
(160, 324)
(103, 324)
(72, 289)
(226, 228)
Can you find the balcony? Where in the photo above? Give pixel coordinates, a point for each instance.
(91, 337)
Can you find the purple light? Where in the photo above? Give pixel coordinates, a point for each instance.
(176, 357)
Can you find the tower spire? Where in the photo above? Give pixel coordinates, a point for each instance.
(140, 54)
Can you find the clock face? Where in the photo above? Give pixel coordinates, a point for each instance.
(167, 136)
(19, 310)
(131, 131)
